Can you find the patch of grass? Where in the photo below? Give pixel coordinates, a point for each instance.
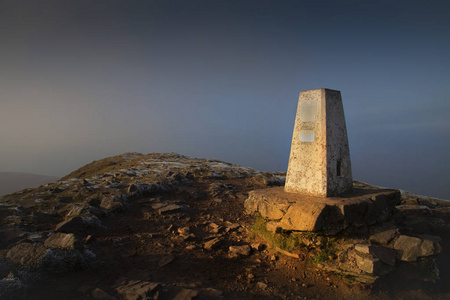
(325, 250)
(295, 241)
(283, 240)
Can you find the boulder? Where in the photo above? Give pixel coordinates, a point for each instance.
(62, 241)
(383, 234)
(310, 216)
(369, 264)
(26, 254)
(386, 255)
(110, 202)
(411, 248)
(272, 208)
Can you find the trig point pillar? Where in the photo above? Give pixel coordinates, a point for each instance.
(319, 163)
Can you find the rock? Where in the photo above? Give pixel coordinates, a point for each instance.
(328, 215)
(186, 294)
(138, 289)
(214, 227)
(77, 210)
(73, 225)
(271, 208)
(101, 295)
(232, 226)
(62, 241)
(371, 265)
(212, 244)
(169, 208)
(165, 260)
(261, 285)
(184, 231)
(386, 255)
(26, 254)
(258, 246)
(132, 189)
(240, 250)
(158, 205)
(11, 234)
(411, 248)
(111, 202)
(383, 234)
(408, 246)
(273, 226)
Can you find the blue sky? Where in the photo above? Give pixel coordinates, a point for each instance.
(82, 80)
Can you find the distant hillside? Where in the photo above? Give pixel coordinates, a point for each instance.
(12, 182)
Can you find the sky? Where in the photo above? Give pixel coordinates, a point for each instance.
(84, 80)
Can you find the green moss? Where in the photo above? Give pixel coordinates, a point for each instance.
(284, 240)
(296, 241)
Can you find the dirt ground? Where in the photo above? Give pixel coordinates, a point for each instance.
(142, 244)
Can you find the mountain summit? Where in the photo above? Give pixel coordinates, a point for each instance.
(168, 226)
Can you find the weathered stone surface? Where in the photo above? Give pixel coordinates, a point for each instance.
(11, 234)
(411, 248)
(186, 294)
(212, 244)
(73, 225)
(76, 210)
(369, 264)
(261, 285)
(273, 226)
(386, 255)
(310, 216)
(26, 254)
(110, 203)
(319, 162)
(271, 207)
(169, 208)
(62, 240)
(243, 250)
(383, 234)
(330, 215)
(138, 289)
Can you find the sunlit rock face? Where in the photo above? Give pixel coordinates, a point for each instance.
(319, 162)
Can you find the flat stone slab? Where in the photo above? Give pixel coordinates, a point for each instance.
(323, 214)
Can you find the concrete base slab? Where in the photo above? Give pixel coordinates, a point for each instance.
(363, 207)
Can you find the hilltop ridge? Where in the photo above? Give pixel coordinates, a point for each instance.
(168, 226)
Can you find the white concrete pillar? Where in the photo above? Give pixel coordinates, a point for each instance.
(319, 163)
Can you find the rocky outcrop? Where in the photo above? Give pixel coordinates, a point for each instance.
(27, 255)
